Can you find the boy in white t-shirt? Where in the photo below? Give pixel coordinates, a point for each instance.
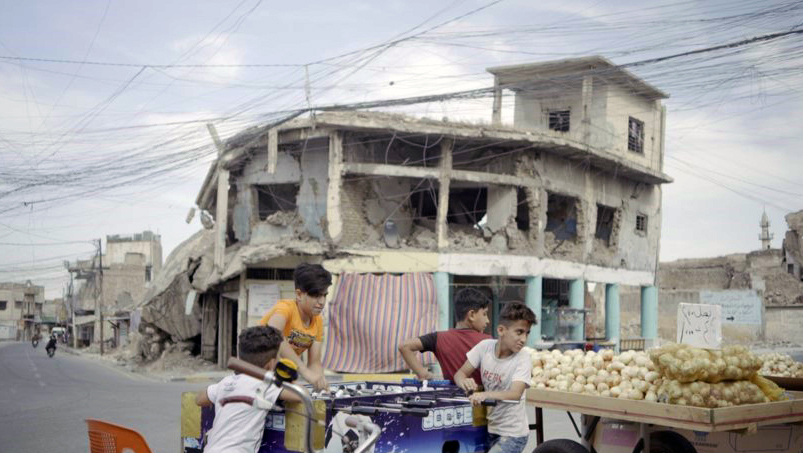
(506, 373)
(238, 425)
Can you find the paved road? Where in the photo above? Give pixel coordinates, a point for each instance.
(44, 401)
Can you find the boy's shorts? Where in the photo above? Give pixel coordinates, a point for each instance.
(506, 444)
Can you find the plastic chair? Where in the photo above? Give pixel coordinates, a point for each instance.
(110, 438)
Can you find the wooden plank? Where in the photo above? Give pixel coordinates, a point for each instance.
(681, 417)
(685, 417)
(736, 417)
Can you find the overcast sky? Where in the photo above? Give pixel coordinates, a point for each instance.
(103, 106)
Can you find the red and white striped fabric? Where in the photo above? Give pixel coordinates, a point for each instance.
(371, 314)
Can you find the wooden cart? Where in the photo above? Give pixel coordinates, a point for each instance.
(613, 425)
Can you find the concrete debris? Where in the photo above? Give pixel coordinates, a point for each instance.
(284, 218)
(424, 238)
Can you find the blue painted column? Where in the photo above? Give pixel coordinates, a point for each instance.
(442, 289)
(532, 297)
(612, 326)
(649, 312)
(577, 300)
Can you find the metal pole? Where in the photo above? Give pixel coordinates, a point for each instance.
(100, 295)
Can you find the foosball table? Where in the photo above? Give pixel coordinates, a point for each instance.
(414, 417)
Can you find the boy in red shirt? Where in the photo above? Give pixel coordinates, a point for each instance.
(450, 346)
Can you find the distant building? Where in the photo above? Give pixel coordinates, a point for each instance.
(21, 306)
(129, 265)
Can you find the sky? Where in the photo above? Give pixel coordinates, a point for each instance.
(103, 107)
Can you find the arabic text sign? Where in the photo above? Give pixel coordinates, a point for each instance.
(700, 325)
(738, 306)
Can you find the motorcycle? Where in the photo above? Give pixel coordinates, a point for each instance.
(35, 341)
(51, 347)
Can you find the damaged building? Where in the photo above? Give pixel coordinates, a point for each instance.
(403, 211)
(129, 265)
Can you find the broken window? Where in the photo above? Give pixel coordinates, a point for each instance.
(559, 120)
(635, 135)
(3, 304)
(605, 218)
(148, 270)
(641, 223)
(467, 206)
(522, 210)
(790, 268)
(561, 216)
(424, 203)
(276, 197)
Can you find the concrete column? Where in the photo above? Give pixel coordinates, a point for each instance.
(442, 290)
(612, 325)
(222, 203)
(441, 229)
(532, 297)
(585, 115)
(496, 116)
(334, 221)
(577, 300)
(649, 312)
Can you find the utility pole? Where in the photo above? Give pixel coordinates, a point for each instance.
(99, 293)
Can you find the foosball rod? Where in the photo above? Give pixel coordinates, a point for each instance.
(372, 410)
(486, 402)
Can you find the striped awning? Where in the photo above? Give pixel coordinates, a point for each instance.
(371, 314)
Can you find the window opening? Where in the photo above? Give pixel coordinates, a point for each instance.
(605, 216)
(424, 203)
(3, 304)
(559, 120)
(641, 223)
(522, 210)
(268, 273)
(276, 197)
(561, 216)
(635, 135)
(467, 206)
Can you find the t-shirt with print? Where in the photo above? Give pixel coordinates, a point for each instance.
(238, 426)
(295, 332)
(504, 419)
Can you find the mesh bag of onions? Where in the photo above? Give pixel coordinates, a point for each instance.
(684, 363)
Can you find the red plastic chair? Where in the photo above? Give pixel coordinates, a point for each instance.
(110, 438)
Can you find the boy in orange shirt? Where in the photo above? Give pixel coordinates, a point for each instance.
(301, 323)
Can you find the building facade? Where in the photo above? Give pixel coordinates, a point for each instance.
(21, 309)
(129, 265)
(569, 193)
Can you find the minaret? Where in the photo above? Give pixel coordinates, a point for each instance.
(765, 237)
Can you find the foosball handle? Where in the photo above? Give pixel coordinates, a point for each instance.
(489, 402)
(364, 410)
(421, 404)
(423, 413)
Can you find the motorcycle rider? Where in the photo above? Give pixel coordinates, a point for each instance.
(51, 344)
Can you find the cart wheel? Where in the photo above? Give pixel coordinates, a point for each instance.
(666, 442)
(560, 446)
